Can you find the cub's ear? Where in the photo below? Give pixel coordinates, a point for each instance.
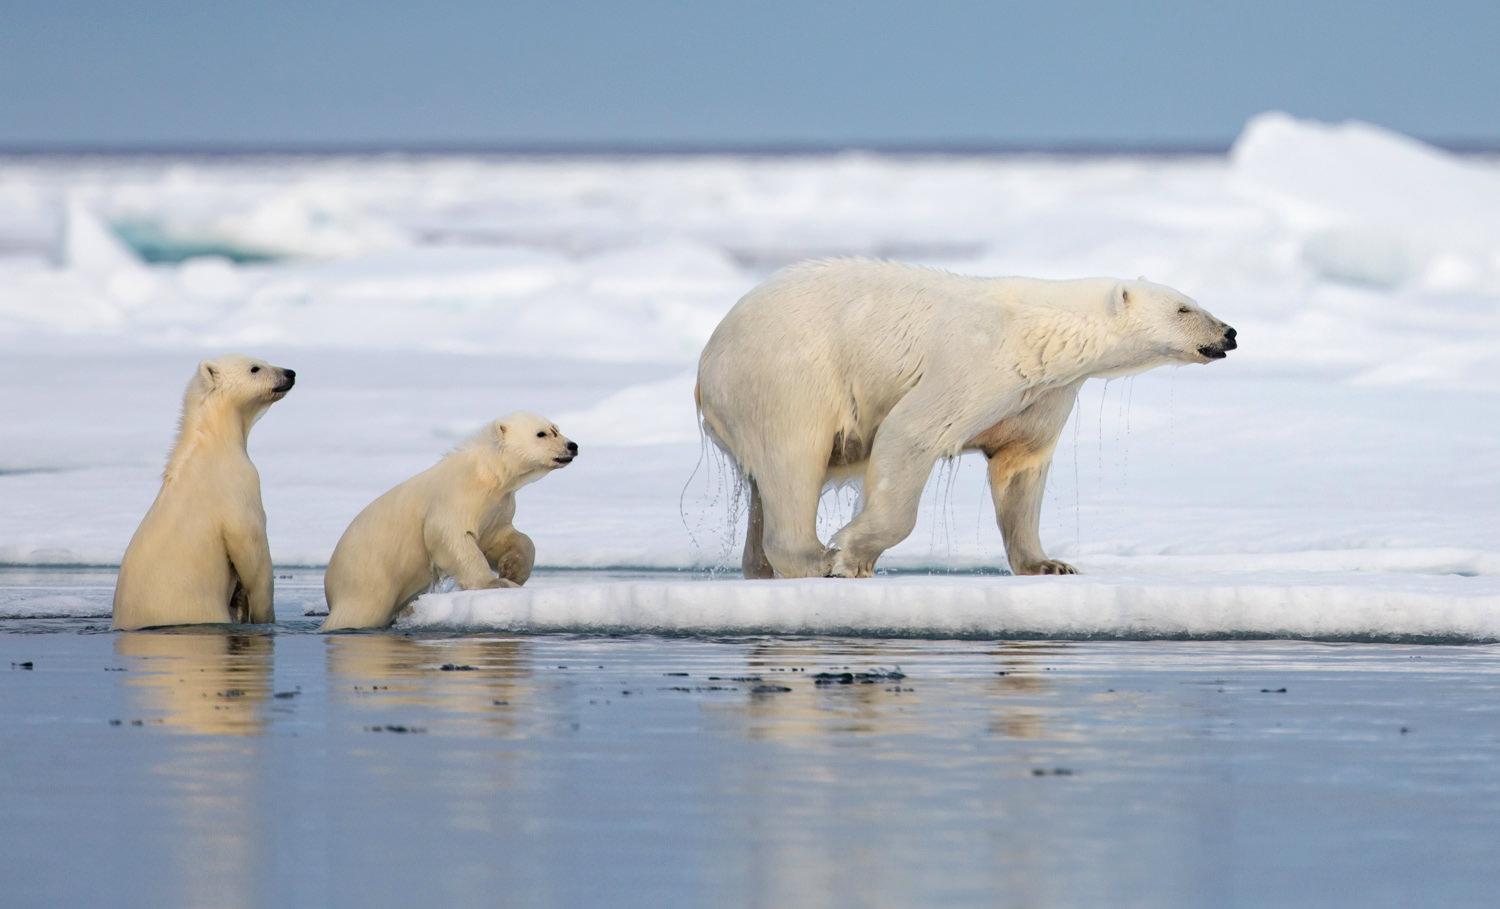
(499, 429)
(209, 372)
(1120, 299)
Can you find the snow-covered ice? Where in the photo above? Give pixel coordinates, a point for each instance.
(1335, 477)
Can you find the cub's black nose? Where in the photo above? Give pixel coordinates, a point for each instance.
(572, 448)
(1229, 342)
(291, 374)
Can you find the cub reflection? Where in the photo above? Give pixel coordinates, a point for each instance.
(475, 684)
(204, 682)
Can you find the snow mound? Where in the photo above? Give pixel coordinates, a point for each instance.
(1346, 608)
(1374, 207)
(657, 413)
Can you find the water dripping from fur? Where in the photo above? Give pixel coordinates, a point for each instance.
(724, 497)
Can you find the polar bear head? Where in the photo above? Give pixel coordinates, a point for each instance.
(1161, 325)
(235, 382)
(526, 446)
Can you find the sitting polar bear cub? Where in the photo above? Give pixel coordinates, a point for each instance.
(200, 554)
(451, 520)
(870, 370)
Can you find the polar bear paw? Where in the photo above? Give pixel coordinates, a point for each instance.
(1047, 566)
(837, 563)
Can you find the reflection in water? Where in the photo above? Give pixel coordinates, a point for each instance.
(203, 682)
(646, 771)
(883, 707)
(217, 687)
(853, 771)
(486, 685)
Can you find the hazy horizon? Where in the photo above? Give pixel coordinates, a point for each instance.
(333, 75)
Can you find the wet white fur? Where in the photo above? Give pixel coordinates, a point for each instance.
(205, 535)
(451, 520)
(806, 368)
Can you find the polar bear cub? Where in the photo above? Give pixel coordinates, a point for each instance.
(871, 371)
(451, 520)
(200, 555)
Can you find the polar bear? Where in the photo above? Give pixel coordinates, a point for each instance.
(451, 520)
(200, 554)
(852, 369)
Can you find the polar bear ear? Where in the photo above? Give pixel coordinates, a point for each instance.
(209, 372)
(1119, 299)
(499, 429)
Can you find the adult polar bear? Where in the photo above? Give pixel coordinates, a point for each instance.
(451, 520)
(858, 369)
(200, 555)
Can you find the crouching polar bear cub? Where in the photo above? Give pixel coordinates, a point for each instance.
(451, 520)
(200, 554)
(856, 369)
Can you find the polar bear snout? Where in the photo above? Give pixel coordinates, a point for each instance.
(1221, 348)
(288, 379)
(563, 460)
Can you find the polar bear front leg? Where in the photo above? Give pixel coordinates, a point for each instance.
(250, 557)
(1018, 477)
(455, 553)
(1018, 508)
(511, 554)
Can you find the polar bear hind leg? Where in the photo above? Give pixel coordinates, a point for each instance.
(789, 516)
(754, 563)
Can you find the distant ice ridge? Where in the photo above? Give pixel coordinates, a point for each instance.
(1349, 607)
(1304, 229)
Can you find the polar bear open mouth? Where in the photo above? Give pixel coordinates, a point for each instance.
(1220, 350)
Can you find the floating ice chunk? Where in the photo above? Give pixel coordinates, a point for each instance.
(1350, 607)
(88, 244)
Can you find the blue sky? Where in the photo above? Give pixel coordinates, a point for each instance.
(762, 72)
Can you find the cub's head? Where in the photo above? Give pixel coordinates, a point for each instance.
(529, 444)
(1169, 327)
(241, 382)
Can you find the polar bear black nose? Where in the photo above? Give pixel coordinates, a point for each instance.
(292, 373)
(1229, 343)
(572, 448)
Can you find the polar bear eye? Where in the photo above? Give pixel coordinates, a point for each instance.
(1183, 309)
(255, 369)
(541, 434)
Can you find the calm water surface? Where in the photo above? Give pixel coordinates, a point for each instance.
(255, 767)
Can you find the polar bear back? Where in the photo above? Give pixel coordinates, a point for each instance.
(828, 348)
(382, 560)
